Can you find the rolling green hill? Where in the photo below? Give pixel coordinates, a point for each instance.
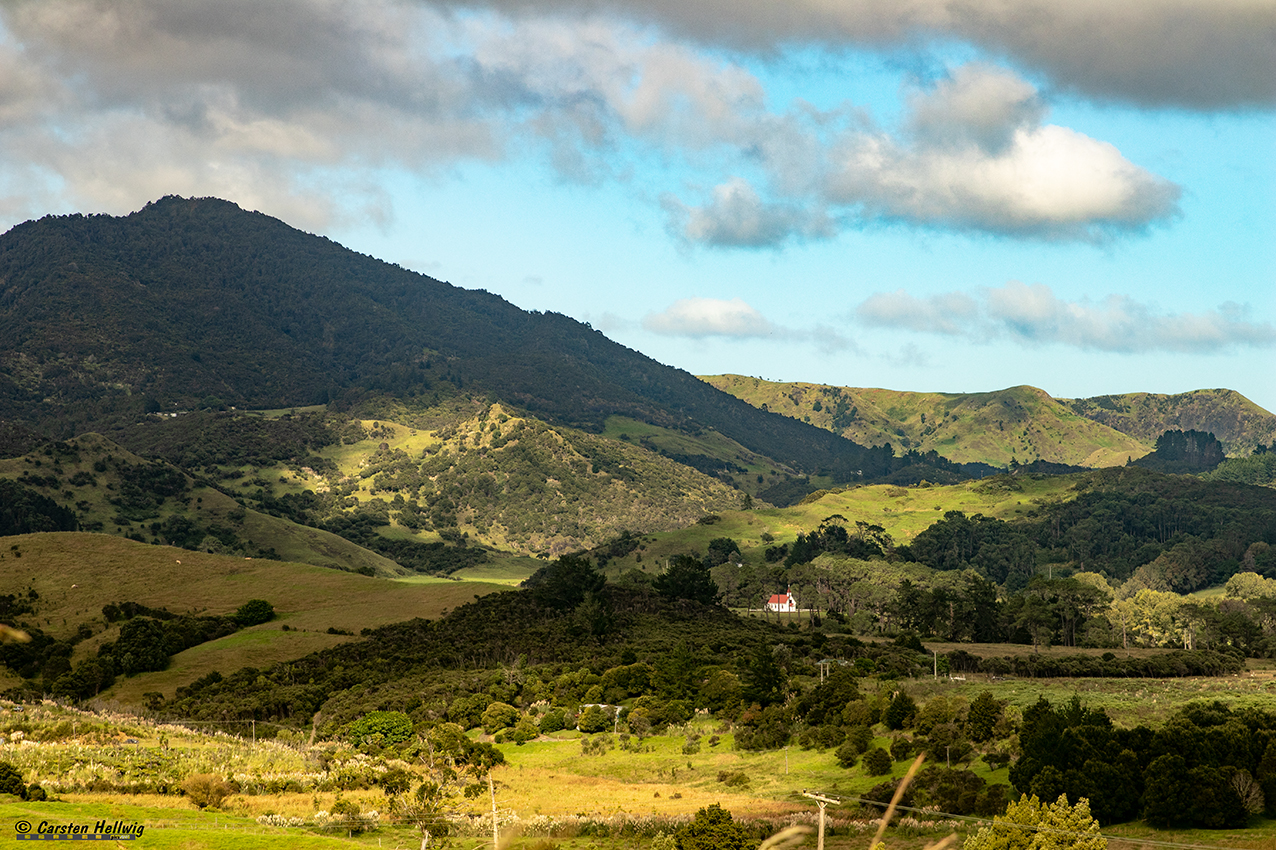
(1019, 424)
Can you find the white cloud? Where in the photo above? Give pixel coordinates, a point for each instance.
(705, 317)
(980, 159)
(1032, 314)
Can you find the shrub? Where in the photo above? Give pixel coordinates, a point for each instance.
(595, 718)
(206, 789)
(386, 728)
(713, 829)
(553, 720)
(254, 612)
(877, 762)
(11, 780)
(499, 715)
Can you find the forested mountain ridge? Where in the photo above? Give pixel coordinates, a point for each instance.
(1020, 424)
(193, 303)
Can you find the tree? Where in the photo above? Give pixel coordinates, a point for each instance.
(254, 612)
(380, 729)
(1030, 824)
(564, 583)
(900, 713)
(688, 578)
(982, 716)
(713, 829)
(11, 781)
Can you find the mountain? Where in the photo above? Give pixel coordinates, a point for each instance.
(1238, 423)
(1020, 424)
(196, 303)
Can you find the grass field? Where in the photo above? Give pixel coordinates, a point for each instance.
(902, 511)
(76, 574)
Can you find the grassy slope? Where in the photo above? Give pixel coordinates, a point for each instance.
(652, 493)
(1023, 423)
(902, 511)
(307, 598)
(204, 505)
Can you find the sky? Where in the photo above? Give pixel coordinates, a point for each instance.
(929, 195)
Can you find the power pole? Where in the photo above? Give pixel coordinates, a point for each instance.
(823, 801)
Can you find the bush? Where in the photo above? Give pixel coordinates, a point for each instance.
(384, 728)
(206, 789)
(254, 612)
(733, 778)
(714, 829)
(11, 780)
(554, 720)
(595, 718)
(499, 715)
(847, 755)
(877, 762)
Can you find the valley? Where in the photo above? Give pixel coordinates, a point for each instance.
(326, 552)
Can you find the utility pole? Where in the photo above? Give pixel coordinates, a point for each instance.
(823, 801)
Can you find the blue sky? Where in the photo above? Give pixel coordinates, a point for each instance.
(952, 195)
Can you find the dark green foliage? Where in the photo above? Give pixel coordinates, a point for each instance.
(982, 716)
(864, 541)
(207, 438)
(563, 583)
(713, 829)
(553, 720)
(380, 729)
(596, 718)
(11, 781)
(900, 713)
(877, 762)
(687, 578)
(254, 612)
(847, 755)
(764, 729)
(23, 510)
(764, 680)
(825, 703)
(1180, 452)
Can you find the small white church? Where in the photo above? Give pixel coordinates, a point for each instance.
(782, 602)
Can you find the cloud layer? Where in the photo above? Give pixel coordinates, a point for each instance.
(297, 107)
(1032, 314)
(1198, 54)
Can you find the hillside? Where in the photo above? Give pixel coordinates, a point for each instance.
(73, 576)
(196, 303)
(1236, 421)
(1020, 424)
(111, 490)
